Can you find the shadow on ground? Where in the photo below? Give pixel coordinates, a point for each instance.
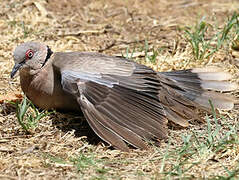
(77, 122)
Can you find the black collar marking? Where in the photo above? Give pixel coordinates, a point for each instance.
(49, 53)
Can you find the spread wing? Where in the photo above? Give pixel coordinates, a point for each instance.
(119, 102)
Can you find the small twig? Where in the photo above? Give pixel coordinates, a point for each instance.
(136, 54)
(3, 140)
(7, 177)
(62, 165)
(30, 149)
(20, 136)
(41, 8)
(6, 150)
(108, 46)
(131, 42)
(62, 34)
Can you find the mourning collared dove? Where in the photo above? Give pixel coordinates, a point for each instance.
(121, 100)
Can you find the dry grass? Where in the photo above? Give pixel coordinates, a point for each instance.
(63, 146)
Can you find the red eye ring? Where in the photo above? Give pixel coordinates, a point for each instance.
(29, 54)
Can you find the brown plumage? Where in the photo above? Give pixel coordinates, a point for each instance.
(121, 100)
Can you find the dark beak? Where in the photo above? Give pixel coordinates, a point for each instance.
(15, 69)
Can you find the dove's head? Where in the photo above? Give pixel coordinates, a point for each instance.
(31, 55)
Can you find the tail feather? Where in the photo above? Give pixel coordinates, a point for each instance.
(220, 101)
(187, 90)
(219, 85)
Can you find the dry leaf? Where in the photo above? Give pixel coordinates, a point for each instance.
(13, 97)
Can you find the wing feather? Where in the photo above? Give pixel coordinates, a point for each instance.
(120, 110)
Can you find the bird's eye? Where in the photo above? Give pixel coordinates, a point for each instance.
(29, 54)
